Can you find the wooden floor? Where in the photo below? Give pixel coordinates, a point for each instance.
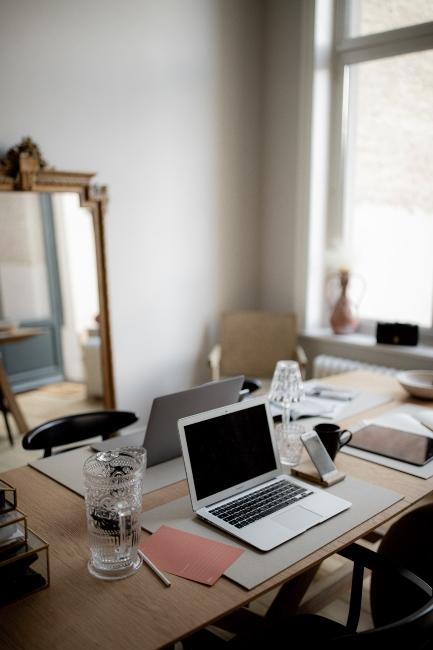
(38, 406)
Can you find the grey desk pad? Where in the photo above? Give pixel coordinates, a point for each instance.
(67, 469)
(423, 471)
(254, 567)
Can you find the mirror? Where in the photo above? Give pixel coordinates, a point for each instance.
(54, 318)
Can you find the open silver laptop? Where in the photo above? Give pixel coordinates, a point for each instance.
(161, 439)
(236, 482)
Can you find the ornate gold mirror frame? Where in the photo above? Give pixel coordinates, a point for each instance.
(23, 169)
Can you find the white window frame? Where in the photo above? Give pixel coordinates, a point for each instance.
(350, 50)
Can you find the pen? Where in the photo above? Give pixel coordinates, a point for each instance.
(150, 564)
(330, 393)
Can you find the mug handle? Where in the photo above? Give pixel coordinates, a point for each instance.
(347, 435)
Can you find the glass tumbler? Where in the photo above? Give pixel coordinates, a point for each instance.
(113, 495)
(289, 443)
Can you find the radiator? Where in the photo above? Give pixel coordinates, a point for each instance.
(325, 365)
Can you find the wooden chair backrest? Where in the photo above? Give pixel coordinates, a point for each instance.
(253, 341)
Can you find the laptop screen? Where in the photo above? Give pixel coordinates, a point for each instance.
(229, 449)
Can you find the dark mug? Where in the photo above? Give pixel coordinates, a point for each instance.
(332, 437)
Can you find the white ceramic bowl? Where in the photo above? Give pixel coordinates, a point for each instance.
(418, 383)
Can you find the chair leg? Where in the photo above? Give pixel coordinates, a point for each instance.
(4, 410)
(10, 402)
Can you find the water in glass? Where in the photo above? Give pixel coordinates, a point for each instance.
(289, 443)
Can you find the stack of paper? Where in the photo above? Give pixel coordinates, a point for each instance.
(321, 400)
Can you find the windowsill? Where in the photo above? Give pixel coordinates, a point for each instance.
(362, 347)
(366, 341)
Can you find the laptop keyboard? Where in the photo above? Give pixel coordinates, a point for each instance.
(259, 504)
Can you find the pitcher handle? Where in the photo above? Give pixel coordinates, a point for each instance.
(125, 516)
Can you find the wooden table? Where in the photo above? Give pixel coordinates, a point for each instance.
(78, 611)
(8, 401)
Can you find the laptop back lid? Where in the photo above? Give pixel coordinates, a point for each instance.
(228, 450)
(162, 438)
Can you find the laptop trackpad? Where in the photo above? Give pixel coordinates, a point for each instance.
(298, 518)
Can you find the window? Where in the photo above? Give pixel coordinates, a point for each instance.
(370, 17)
(383, 207)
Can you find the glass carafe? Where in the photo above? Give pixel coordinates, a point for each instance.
(113, 493)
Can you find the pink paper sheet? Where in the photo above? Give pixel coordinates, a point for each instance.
(189, 556)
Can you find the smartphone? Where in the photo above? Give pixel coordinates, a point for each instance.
(320, 457)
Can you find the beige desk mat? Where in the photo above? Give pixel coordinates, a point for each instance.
(254, 567)
(67, 469)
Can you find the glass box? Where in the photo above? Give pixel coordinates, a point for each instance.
(24, 569)
(8, 497)
(13, 530)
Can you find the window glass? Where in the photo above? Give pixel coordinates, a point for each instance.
(389, 209)
(373, 16)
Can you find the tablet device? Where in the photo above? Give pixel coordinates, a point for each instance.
(393, 443)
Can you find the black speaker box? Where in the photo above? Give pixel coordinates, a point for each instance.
(397, 333)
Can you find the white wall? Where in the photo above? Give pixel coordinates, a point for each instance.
(282, 147)
(163, 99)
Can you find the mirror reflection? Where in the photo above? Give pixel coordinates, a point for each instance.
(49, 283)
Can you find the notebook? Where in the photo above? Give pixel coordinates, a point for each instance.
(161, 438)
(236, 481)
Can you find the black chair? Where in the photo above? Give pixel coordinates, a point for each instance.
(77, 427)
(249, 386)
(400, 598)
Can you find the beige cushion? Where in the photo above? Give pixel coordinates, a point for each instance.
(253, 341)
